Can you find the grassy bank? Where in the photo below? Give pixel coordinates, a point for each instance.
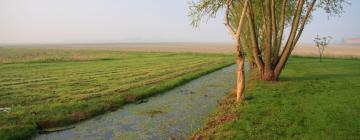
(312, 101)
(57, 90)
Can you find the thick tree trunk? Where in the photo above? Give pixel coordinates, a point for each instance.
(269, 76)
(240, 81)
(268, 35)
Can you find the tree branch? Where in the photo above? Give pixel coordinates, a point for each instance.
(274, 30)
(253, 37)
(281, 30)
(305, 19)
(241, 21)
(287, 50)
(226, 19)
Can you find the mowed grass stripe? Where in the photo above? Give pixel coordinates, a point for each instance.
(66, 67)
(121, 77)
(72, 70)
(94, 74)
(137, 83)
(69, 67)
(82, 64)
(118, 87)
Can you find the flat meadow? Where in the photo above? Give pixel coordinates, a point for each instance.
(312, 100)
(43, 88)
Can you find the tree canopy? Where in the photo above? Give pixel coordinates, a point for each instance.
(265, 23)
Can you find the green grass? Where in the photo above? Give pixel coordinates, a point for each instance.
(47, 89)
(312, 101)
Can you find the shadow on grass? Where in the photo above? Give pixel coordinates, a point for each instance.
(248, 98)
(318, 77)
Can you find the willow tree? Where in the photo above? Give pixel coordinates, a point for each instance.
(257, 27)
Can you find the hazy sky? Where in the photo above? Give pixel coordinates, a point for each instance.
(77, 21)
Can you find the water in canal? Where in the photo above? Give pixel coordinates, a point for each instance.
(174, 114)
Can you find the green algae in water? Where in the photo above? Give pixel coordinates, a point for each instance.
(152, 113)
(175, 114)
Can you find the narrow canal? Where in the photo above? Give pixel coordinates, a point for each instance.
(174, 114)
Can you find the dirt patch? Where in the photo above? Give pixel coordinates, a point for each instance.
(130, 98)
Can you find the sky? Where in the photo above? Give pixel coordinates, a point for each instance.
(102, 21)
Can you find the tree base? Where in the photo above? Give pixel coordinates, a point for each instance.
(269, 76)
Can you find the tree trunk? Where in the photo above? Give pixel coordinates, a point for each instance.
(320, 57)
(269, 75)
(268, 36)
(289, 43)
(240, 81)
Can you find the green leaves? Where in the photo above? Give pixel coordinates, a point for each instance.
(333, 7)
(204, 9)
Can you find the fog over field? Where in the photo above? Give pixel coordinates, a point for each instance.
(83, 21)
(335, 50)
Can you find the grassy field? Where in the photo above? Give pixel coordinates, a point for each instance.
(9, 55)
(312, 101)
(46, 88)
